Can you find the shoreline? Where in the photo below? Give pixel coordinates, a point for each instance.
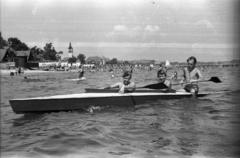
(7, 72)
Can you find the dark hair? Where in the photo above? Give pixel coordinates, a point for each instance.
(162, 65)
(161, 72)
(127, 73)
(192, 58)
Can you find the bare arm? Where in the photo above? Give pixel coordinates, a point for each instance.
(169, 84)
(113, 86)
(184, 75)
(187, 75)
(130, 87)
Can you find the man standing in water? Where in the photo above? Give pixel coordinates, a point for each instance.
(191, 75)
(81, 72)
(126, 84)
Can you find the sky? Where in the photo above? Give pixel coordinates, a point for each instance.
(127, 29)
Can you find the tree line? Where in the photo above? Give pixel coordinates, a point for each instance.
(37, 54)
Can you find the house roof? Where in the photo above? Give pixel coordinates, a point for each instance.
(23, 53)
(94, 58)
(145, 61)
(158, 62)
(2, 53)
(65, 59)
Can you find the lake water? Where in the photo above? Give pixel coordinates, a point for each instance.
(200, 127)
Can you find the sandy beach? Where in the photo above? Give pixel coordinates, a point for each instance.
(26, 71)
(7, 72)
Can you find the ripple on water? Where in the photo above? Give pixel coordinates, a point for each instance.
(205, 127)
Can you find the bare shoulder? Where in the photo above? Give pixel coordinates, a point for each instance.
(116, 84)
(185, 69)
(197, 70)
(132, 84)
(119, 83)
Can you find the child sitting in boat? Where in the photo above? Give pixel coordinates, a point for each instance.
(162, 79)
(126, 84)
(163, 68)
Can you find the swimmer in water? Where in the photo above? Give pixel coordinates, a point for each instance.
(112, 73)
(174, 76)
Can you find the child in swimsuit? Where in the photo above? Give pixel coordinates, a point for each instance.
(126, 84)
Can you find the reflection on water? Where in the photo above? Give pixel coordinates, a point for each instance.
(205, 127)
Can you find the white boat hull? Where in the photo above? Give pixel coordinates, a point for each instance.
(85, 100)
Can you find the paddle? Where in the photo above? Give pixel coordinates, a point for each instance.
(213, 79)
(155, 86)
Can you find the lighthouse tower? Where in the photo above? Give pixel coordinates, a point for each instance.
(70, 51)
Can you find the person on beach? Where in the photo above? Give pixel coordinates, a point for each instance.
(191, 75)
(125, 85)
(19, 70)
(8, 67)
(16, 71)
(22, 70)
(174, 76)
(162, 79)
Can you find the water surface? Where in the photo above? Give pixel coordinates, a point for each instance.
(201, 127)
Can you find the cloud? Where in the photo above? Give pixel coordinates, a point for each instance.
(152, 33)
(117, 31)
(206, 24)
(151, 29)
(137, 29)
(121, 32)
(120, 28)
(35, 9)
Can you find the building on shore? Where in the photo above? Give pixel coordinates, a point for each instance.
(96, 60)
(12, 58)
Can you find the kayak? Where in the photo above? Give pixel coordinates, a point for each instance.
(115, 90)
(92, 97)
